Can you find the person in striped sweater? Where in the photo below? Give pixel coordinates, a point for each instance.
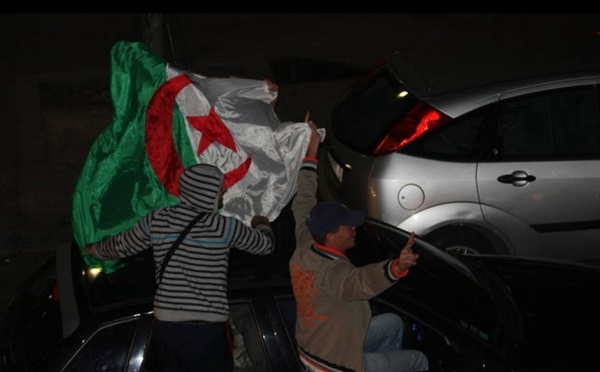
(191, 309)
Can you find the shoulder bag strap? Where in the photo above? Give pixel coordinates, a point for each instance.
(176, 244)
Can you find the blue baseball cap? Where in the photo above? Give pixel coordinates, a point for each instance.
(326, 216)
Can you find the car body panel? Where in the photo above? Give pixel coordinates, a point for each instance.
(535, 205)
(388, 183)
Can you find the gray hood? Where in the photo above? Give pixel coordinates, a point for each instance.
(199, 186)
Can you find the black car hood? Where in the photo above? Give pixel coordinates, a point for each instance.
(559, 306)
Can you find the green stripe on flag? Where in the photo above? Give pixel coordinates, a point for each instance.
(117, 185)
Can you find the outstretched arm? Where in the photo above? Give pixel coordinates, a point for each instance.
(306, 195)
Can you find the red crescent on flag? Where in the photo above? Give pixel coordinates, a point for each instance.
(160, 146)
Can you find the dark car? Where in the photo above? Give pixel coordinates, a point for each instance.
(466, 313)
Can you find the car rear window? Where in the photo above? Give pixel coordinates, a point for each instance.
(107, 350)
(364, 115)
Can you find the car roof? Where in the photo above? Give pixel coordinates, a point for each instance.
(436, 69)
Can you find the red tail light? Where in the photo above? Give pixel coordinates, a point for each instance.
(421, 119)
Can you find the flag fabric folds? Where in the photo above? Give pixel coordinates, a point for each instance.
(166, 119)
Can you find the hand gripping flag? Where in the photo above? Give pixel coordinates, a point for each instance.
(164, 120)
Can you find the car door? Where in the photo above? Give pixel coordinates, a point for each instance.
(543, 191)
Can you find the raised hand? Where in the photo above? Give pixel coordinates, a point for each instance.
(407, 257)
(315, 139)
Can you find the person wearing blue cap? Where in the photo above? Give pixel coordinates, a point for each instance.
(335, 329)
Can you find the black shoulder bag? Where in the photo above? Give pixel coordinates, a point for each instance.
(176, 244)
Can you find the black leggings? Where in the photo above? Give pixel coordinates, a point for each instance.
(189, 347)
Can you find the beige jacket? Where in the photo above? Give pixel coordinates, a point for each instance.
(331, 294)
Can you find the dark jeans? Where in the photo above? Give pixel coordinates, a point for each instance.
(189, 347)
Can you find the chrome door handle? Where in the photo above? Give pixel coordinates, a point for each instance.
(517, 178)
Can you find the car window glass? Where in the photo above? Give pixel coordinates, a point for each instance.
(106, 350)
(560, 124)
(287, 309)
(362, 118)
(456, 141)
(576, 122)
(524, 127)
(248, 351)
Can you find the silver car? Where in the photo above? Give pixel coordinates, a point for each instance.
(485, 146)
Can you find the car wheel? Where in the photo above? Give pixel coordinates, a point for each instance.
(461, 241)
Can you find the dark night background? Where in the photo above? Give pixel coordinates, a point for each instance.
(55, 79)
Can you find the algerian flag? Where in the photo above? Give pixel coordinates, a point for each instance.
(165, 120)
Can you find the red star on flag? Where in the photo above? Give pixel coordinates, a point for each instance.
(213, 130)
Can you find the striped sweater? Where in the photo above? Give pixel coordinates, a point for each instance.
(194, 283)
